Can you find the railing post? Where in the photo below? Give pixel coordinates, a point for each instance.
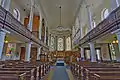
(87, 74)
(81, 71)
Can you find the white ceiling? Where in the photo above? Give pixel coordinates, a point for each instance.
(52, 12)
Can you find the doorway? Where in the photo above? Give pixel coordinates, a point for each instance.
(22, 54)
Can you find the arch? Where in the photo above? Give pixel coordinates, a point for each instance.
(104, 14)
(16, 13)
(52, 42)
(68, 44)
(60, 44)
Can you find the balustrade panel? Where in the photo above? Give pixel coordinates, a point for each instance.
(108, 25)
(2, 16)
(12, 24)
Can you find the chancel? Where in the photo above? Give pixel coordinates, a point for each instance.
(59, 40)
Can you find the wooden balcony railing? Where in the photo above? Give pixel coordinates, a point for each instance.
(8, 22)
(108, 25)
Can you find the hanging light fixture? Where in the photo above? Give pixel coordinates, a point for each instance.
(60, 27)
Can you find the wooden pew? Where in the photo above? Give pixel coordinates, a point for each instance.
(101, 75)
(15, 75)
(79, 70)
(40, 69)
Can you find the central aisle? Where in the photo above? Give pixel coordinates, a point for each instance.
(60, 73)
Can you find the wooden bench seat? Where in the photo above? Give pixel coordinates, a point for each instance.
(15, 75)
(103, 69)
(95, 71)
(91, 74)
(109, 78)
(16, 68)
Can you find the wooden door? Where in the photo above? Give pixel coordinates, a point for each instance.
(22, 54)
(33, 55)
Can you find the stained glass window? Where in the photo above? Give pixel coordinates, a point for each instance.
(60, 44)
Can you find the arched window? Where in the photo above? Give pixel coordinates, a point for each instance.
(16, 14)
(73, 31)
(60, 44)
(68, 44)
(104, 14)
(52, 43)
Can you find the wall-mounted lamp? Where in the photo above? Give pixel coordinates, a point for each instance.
(115, 41)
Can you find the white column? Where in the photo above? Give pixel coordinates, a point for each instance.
(82, 53)
(28, 45)
(117, 2)
(92, 52)
(90, 26)
(31, 16)
(2, 37)
(28, 50)
(6, 4)
(38, 54)
(40, 26)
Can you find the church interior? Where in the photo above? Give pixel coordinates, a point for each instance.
(59, 40)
